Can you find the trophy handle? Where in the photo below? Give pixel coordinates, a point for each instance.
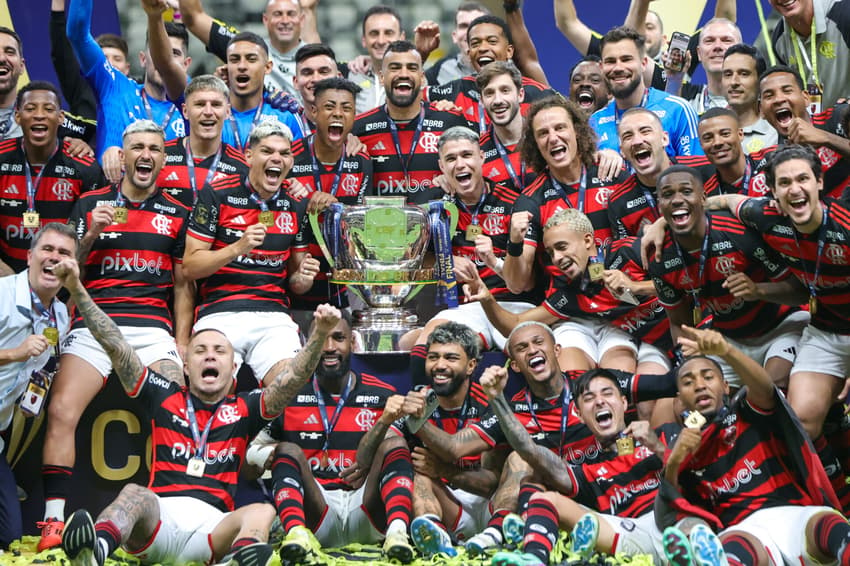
(320, 238)
(454, 216)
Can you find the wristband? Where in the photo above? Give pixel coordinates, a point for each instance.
(258, 454)
(515, 248)
(500, 265)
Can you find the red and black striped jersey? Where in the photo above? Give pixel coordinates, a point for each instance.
(64, 179)
(545, 196)
(238, 418)
(302, 424)
(452, 420)
(129, 271)
(756, 185)
(617, 485)
(732, 248)
(742, 466)
(353, 178)
(633, 204)
(256, 281)
(493, 215)
(588, 299)
(174, 177)
(800, 252)
(495, 167)
(543, 419)
(373, 129)
(463, 92)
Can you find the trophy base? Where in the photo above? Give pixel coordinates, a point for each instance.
(381, 329)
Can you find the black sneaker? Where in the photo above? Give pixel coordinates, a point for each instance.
(80, 542)
(257, 554)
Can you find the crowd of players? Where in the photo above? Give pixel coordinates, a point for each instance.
(664, 263)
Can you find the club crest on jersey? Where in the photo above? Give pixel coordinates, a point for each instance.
(725, 265)
(162, 224)
(365, 419)
(493, 224)
(286, 223)
(228, 414)
(349, 185)
(428, 142)
(63, 190)
(835, 254)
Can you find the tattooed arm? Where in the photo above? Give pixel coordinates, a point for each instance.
(127, 364)
(542, 460)
(296, 371)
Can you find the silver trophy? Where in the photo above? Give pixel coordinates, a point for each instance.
(376, 250)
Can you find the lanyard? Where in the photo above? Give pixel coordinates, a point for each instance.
(801, 54)
(320, 399)
(32, 187)
(190, 165)
(474, 214)
(200, 439)
(461, 419)
(647, 194)
(503, 154)
(120, 201)
(703, 257)
(748, 173)
(582, 189)
(482, 119)
(318, 170)
(234, 127)
(812, 283)
(149, 110)
(48, 314)
(642, 105)
(565, 411)
(405, 163)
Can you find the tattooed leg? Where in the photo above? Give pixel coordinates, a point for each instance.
(136, 514)
(252, 521)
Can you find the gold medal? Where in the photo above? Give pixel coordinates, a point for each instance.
(625, 446)
(267, 218)
(697, 316)
(694, 420)
(813, 304)
(596, 270)
(195, 468)
(52, 335)
(32, 219)
(121, 215)
(473, 231)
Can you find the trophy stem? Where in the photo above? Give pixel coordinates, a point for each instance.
(381, 329)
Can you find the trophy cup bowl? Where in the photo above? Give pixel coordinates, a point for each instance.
(378, 256)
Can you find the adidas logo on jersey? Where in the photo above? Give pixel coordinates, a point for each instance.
(378, 146)
(12, 190)
(173, 176)
(312, 419)
(239, 220)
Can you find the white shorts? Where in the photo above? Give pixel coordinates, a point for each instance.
(647, 353)
(183, 533)
(593, 337)
(781, 342)
(636, 536)
(472, 315)
(150, 344)
(260, 339)
(346, 520)
(782, 531)
(473, 516)
(823, 352)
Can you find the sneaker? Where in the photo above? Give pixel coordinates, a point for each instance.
(51, 533)
(397, 546)
(430, 538)
(482, 542)
(80, 542)
(298, 543)
(708, 550)
(584, 536)
(513, 529)
(257, 554)
(508, 558)
(677, 547)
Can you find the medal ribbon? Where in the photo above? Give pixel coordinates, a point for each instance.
(703, 256)
(234, 127)
(149, 111)
(582, 189)
(565, 411)
(319, 169)
(482, 119)
(263, 204)
(461, 420)
(503, 154)
(474, 214)
(642, 105)
(802, 59)
(320, 399)
(200, 439)
(32, 186)
(190, 165)
(405, 162)
(812, 283)
(444, 266)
